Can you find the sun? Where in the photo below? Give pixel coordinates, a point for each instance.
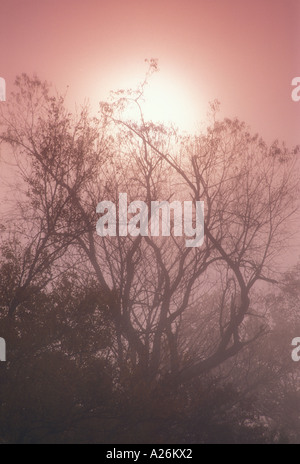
(167, 100)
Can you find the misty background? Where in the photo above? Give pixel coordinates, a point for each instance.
(139, 339)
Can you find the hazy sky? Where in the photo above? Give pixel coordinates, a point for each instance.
(243, 53)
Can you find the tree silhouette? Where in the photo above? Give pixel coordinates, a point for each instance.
(163, 317)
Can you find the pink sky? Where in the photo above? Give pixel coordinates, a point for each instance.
(243, 53)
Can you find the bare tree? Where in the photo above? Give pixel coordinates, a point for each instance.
(249, 194)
